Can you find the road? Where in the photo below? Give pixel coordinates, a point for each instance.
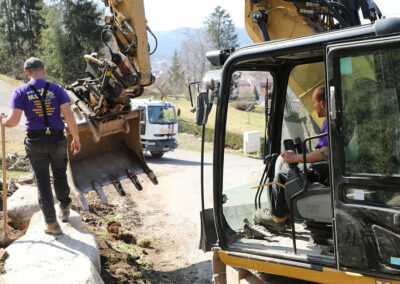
(170, 211)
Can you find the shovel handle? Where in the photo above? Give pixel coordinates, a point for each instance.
(4, 169)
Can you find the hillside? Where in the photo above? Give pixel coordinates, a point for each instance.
(169, 41)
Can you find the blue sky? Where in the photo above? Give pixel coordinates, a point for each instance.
(172, 14)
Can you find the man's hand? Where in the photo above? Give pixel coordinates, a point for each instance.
(290, 157)
(69, 118)
(13, 119)
(3, 117)
(75, 146)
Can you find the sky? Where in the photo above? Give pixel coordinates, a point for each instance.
(165, 15)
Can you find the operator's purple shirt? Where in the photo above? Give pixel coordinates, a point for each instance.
(323, 141)
(24, 98)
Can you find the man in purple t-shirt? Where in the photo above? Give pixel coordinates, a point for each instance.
(45, 142)
(279, 213)
(321, 151)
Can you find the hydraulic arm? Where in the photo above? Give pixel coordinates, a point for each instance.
(109, 127)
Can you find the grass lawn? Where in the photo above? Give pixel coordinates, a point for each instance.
(11, 81)
(238, 121)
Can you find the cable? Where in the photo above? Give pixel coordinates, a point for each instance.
(268, 184)
(335, 12)
(155, 38)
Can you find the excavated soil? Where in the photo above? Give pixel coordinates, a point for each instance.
(125, 258)
(119, 264)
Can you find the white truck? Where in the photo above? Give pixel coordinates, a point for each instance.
(158, 125)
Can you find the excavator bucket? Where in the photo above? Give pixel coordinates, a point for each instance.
(109, 153)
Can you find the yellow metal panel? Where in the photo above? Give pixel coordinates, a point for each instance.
(283, 20)
(327, 275)
(132, 11)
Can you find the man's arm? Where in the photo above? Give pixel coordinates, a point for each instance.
(291, 157)
(13, 119)
(69, 118)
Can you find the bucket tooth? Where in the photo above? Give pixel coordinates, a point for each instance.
(152, 177)
(118, 186)
(84, 202)
(99, 190)
(134, 179)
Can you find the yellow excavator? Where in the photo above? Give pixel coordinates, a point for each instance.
(109, 128)
(344, 220)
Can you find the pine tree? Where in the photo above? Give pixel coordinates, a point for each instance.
(20, 25)
(72, 30)
(176, 76)
(221, 29)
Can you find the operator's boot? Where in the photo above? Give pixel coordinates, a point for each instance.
(53, 229)
(271, 222)
(64, 214)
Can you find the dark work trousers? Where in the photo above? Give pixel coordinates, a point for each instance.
(44, 150)
(279, 207)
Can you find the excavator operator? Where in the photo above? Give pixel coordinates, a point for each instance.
(277, 218)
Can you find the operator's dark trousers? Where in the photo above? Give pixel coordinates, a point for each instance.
(279, 207)
(44, 150)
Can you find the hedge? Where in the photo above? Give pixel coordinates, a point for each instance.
(232, 140)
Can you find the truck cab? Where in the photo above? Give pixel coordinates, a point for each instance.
(345, 227)
(158, 125)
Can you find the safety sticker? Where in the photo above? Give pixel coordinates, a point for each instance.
(377, 281)
(395, 260)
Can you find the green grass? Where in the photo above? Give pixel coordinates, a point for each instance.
(10, 81)
(238, 121)
(113, 217)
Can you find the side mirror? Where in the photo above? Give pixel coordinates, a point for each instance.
(201, 108)
(179, 112)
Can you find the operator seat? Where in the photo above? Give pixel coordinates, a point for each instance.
(313, 203)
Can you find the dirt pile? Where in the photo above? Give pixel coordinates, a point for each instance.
(121, 257)
(15, 162)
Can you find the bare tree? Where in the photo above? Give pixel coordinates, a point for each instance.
(162, 86)
(193, 55)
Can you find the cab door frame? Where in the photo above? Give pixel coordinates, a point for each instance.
(361, 228)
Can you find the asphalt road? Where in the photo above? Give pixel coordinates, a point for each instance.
(171, 209)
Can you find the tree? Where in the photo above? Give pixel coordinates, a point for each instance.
(176, 76)
(193, 56)
(20, 25)
(161, 85)
(221, 29)
(72, 30)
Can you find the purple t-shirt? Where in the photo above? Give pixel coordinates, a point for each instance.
(24, 98)
(323, 141)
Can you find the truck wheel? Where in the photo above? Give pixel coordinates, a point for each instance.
(157, 154)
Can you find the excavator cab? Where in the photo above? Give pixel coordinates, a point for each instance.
(344, 212)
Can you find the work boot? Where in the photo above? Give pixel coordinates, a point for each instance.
(64, 214)
(53, 229)
(265, 218)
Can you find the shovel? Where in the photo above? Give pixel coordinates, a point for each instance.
(6, 240)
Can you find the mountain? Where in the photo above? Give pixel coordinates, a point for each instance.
(169, 41)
